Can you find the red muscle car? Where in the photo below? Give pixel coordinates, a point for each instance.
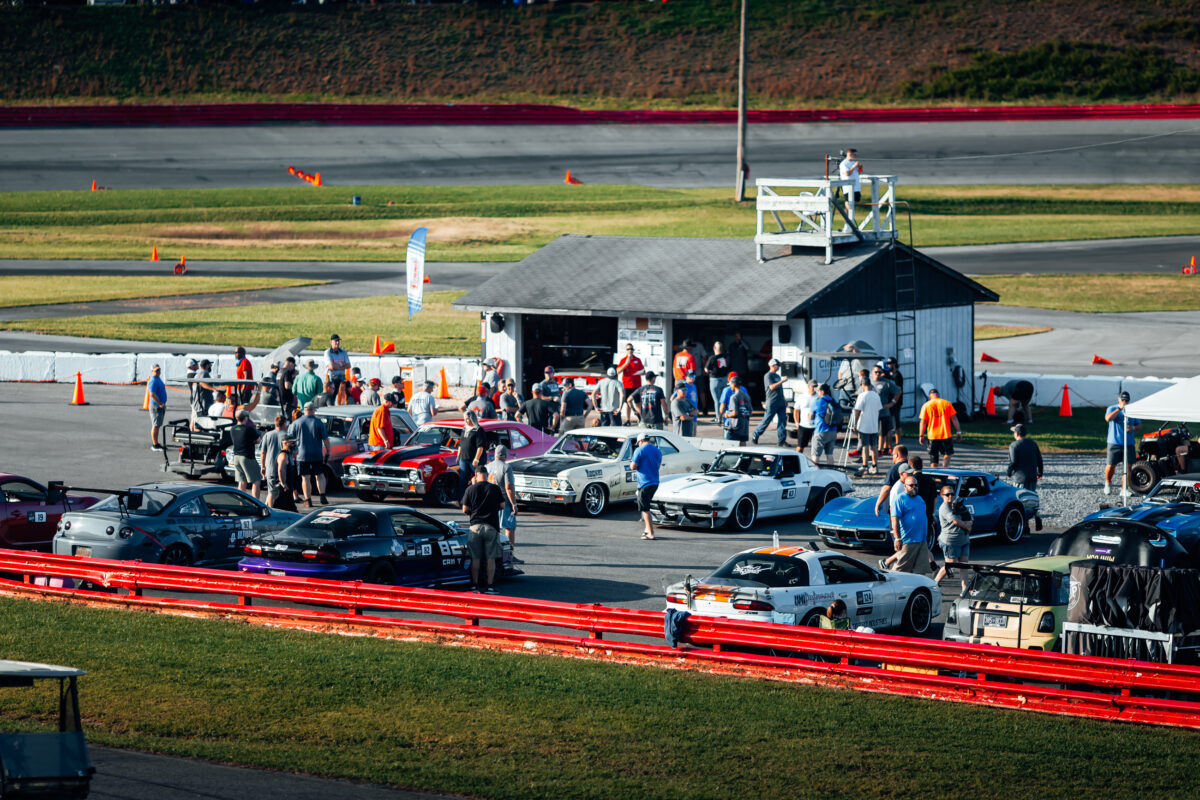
(426, 464)
(29, 512)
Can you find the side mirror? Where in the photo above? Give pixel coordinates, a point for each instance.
(704, 467)
(264, 511)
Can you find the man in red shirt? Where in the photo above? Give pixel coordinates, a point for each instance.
(243, 372)
(684, 362)
(631, 369)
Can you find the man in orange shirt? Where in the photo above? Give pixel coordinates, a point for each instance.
(380, 437)
(684, 361)
(937, 419)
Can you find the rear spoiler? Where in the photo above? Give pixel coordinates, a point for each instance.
(998, 569)
(131, 499)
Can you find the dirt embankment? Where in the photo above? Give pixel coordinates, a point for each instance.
(616, 54)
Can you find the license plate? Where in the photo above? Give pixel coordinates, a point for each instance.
(381, 487)
(276, 572)
(84, 552)
(995, 621)
(525, 495)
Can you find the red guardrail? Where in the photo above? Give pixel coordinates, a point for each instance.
(1093, 687)
(528, 114)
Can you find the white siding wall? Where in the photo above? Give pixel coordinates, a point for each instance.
(507, 345)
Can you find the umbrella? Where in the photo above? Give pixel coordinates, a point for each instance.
(291, 347)
(862, 346)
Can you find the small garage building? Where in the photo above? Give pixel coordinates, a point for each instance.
(576, 302)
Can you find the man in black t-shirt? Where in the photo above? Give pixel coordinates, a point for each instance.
(245, 466)
(538, 412)
(481, 503)
(649, 402)
(472, 451)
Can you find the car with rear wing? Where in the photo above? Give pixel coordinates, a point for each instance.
(169, 523)
(426, 464)
(1024, 603)
(996, 508)
(588, 468)
(376, 543)
(29, 512)
(1173, 505)
(796, 584)
(743, 485)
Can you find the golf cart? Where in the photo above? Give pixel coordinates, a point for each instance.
(43, 765)
(1158, 457)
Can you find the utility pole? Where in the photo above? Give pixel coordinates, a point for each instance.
(741, 119)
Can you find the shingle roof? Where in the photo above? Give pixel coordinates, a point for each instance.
(677, 277)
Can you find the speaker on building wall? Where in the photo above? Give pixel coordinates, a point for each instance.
(785, 334)
(497, 322)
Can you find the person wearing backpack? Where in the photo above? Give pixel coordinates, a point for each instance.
(737, 413)
(827, 415)
(649, 403)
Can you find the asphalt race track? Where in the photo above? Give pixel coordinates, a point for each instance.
(1080, 151)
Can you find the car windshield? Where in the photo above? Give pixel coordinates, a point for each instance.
(583, 444)
(1175, 492)
(769, 570)
(335, 523)
(745, 463)
(153, 502)
(1026, 588)
(945, 480)
(439, 435)
(337, 427)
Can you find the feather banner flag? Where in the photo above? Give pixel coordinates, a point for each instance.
(415, 264)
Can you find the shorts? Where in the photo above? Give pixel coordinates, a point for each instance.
(867, 437)
(824, 443)
(572, 423)
(245, 469)
(885, 424)
(1116, 454)
(483, 543)
(644, 495)
(657, 426)
(157, 414)
(508, 520)
(312, 467)
(914, 558)
(940, 447)
(804, 435)
(957, 548)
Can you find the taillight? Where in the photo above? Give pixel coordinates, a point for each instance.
(1046, 623)
(677, 597)
(323, 556)
(252, 550)
(752, 605)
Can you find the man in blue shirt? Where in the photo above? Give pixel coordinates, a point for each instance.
(313, 447)
(825, 432)
(910, 526)
(1117, 442)
(646, 462)
(156, 390)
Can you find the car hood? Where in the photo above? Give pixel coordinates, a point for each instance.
(553, 465)
(1171, 516)
(851, 512)
(398, 455)
(705, 485)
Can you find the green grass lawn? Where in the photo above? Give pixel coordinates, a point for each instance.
(497, 223)
(501, 725)
(436, 330)
(28, 290)
(1111, 293)
(986, 332)
(1085, 431)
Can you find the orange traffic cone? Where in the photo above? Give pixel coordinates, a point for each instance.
(985, 357)
(77, 398)
(991, 402)
(1098, 360)
(291, 170)
(1064, 410)
(1190, 269)
(427, 279)
(93, 185)
(375, 347)
(146, 399)
(388, 347)
(154, 253)
(317, 179)
(573, 181)
(443, 386)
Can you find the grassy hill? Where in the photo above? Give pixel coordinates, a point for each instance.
(610, 54)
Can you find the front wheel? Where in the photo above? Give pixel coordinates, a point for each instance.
(443, 492)
(594, 500)
(1142, 477)
(918, 615)
(1012, 525)
(744, 514)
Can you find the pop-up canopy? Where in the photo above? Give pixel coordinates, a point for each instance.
(1178, 403)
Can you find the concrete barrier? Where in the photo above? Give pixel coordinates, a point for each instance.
(28, 366)
(1094, 391)
(105, 368)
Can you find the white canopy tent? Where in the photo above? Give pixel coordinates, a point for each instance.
(1178, 403)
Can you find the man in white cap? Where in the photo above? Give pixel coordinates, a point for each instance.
(607, 398)
(774, 406)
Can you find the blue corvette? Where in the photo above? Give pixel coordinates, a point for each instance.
(1173, 506)
(997, 508)
(393, 545)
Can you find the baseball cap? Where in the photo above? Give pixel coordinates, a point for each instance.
(774, 362)
(1123, 396)
(204, 362)
(903, 468)
(644, 437)
(501, 451)
(333, 336)
(376, 382)
(691, 373)
(612, 372)
(1018, 429)
(549, 370)
(156, 366)
(398, 379)
(193, 364)
(732, 375)
(680, 385)
(310, 364)
(309, 404)
(933, 390)
(243, 414)
(650, 374)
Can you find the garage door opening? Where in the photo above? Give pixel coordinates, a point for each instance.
(569, 344)
(756, 335)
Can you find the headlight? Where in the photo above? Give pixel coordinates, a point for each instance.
(126, 532)
(952, 617)
(415, 476)
(561, 484)
(1046, 623)
(352, 469)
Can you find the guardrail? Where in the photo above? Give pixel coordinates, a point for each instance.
(1023, 679)
(530, 114)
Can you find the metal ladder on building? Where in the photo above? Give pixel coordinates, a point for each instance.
(904, 270)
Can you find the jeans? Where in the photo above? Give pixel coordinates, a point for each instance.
(715, 387)
(779, 414)
(610, 418)
(466, 471)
